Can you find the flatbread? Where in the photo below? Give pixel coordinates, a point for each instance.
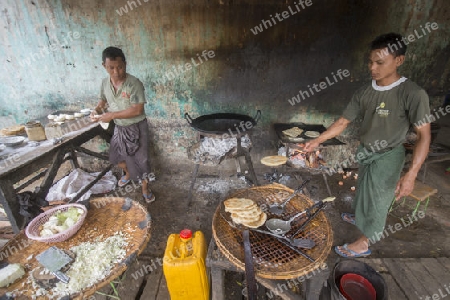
(293, 132)
(256, 224)
(251, 209)
(273, 161)
(312, 134)
(238, 203)
(13, 130)
(240, 219)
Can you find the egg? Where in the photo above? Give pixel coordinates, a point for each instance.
(353, 188)
(341, 183)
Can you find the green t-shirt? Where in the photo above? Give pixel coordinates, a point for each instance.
(387, 112)
(131, 92)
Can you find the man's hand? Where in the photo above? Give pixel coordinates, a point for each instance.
(311, 145)
(93, 116)
(106, 117)
(405, 186)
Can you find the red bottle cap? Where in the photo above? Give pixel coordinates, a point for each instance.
(185, 234)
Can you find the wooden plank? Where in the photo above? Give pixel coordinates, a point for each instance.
(445, 262)
(131, 281)
(151, 288)
(408, 282)
(416, 269)
(217, 284)
(11, 205)
(394, 290)
(437, 271)
(163, 292)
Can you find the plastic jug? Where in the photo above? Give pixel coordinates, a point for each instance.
(184, 266)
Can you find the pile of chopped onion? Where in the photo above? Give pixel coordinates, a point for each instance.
(93, 263)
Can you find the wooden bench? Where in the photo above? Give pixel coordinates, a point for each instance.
(421, 193)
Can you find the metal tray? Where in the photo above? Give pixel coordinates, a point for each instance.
(11, 140)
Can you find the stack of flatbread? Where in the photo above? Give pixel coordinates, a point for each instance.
(245, 211)
(13, 130)
(293, 132)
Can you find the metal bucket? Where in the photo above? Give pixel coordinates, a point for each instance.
(330, 290)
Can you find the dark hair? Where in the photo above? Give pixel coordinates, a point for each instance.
(112, 53)
(393, 41)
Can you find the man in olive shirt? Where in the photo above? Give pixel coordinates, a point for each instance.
(123, 96)
(388, 107)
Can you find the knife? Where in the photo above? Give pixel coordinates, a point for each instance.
(54, 259)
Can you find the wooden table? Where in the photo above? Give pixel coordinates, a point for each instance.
(23, 160)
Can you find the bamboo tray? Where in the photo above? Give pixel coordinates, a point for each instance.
(105, 217)
(271, 258)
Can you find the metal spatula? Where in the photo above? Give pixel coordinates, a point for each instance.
(54, 259)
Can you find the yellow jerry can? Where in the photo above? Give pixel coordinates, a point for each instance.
(184, 266)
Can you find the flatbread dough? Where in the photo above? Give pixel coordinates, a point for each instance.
(13, 130)
(273, 161)
(293, 132)
(312, 134)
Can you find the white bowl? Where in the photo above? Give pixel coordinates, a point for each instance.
(86, 111)
(60, 118)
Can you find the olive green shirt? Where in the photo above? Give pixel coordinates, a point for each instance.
(387, 112)
(130, 92)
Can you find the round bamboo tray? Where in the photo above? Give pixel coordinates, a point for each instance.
(272, 259)
(105, 217)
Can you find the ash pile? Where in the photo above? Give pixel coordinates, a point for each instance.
(211, 151)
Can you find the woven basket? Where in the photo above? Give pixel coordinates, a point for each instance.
(33, 229)
(271, 258)
(105, 217)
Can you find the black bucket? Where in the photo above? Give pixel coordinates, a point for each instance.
(330, 290)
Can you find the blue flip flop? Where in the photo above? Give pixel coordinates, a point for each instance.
(352, 254)
(123, 181)
(349, 218)
(149, 198)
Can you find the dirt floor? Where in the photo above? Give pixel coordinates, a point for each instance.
(425, 237)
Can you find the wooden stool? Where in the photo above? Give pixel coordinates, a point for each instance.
(420, 193)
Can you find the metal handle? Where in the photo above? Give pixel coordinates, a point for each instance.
(258, 116)
(188, 118)
(249, 268)
(61, 276)
(297, 190)
(297, 215)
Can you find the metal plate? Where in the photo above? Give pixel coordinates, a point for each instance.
(11, 140)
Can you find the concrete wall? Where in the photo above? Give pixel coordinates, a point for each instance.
(51, 56)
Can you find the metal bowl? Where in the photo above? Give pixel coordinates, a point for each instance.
(11, 140)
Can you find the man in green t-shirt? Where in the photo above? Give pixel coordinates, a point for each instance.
(388, 107)
(122, 99)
